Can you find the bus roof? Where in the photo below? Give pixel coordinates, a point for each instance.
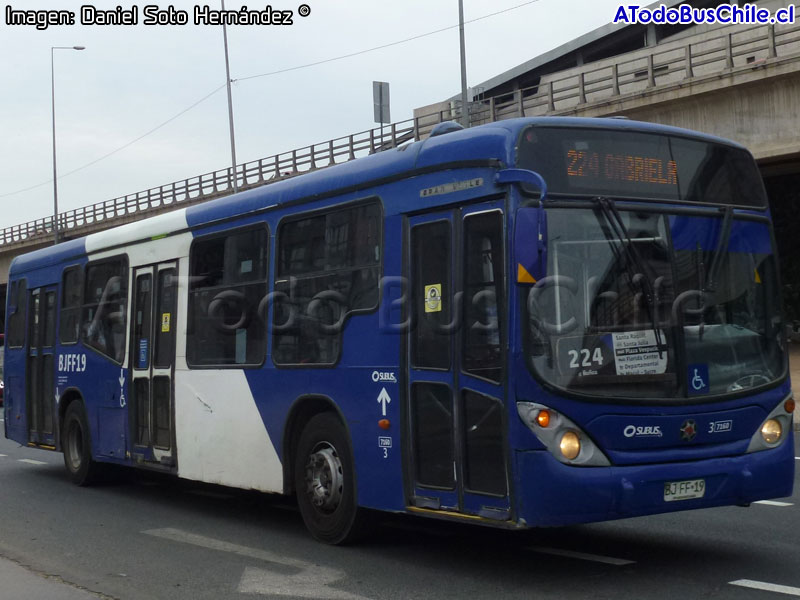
(493, 143)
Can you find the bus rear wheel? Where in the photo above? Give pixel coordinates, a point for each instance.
(324, 479)
(75, 442)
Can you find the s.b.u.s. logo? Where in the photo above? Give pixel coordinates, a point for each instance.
(378, 376)
(648, 431)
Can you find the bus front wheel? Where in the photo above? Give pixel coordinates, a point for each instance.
(324, 478)
(76, 445)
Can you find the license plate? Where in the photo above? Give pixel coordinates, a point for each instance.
(684, 490)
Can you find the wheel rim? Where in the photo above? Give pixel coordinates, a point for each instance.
(75, 446)
(324, 478)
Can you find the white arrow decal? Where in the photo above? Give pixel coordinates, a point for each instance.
(302, 579)
(121, 378)
(311, 582)
(383, 400)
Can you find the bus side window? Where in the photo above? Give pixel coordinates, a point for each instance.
(16, 321)
(227, 283)
(105, 308)
(328, 265)
(71, 288)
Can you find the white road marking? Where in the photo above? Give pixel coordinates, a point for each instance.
(773, 503)
(3, 455)
(608, 560)
(308, 580)
(30, 461)
(263, 582)
(769, 587)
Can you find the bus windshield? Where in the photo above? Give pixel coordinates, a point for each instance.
(662, 306)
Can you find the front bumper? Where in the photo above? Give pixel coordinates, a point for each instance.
(551, 493)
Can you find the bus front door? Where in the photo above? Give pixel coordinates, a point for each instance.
(40, 396)
(152, 364)
(457, 455)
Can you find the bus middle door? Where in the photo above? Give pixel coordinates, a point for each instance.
(456, 357)
(152, 363)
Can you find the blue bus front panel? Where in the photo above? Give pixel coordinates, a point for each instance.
(551, 493)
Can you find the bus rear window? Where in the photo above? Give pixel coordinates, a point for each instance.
(634, 164)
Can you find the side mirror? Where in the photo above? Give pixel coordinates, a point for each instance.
(530, 244)
(525, 178)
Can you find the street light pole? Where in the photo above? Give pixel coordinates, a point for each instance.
(53, 106)
(230, 102)
(464, 100)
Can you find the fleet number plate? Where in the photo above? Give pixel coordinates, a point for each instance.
(684, 490)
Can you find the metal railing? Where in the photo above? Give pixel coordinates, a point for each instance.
(650, 69)
(217, 183)
(693, 58)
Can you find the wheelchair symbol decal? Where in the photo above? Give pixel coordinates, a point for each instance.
(697, 382)
(697, 377)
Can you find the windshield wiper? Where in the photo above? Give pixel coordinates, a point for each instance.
(708, 279)
(710, 282)
(634, 264)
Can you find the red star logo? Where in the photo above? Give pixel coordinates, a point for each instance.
(688, 430)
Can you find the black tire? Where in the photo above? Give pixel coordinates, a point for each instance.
(77, 447)
(325, 483)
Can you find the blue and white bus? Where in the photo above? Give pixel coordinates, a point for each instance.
(530, 323)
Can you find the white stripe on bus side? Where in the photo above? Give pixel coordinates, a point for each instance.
(220, 435)
(157, 226)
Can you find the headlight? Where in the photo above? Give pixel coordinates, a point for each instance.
(562, 438)
(570, 445)
(773, 429)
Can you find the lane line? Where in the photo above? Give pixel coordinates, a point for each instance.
(608, 560)
(3, 455)
(769, 587)
(773, 503)
(30, 461)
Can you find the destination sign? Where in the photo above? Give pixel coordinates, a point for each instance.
(627, 161)
(621, 167)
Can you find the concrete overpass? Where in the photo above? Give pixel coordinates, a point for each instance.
(741, 83)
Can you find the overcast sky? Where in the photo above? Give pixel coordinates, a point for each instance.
(130, 79)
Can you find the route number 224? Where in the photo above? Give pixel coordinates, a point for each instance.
(585, 358)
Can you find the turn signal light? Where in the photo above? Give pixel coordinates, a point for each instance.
(789, 405)
(543, 418)
(564, 439)
(384, 424)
